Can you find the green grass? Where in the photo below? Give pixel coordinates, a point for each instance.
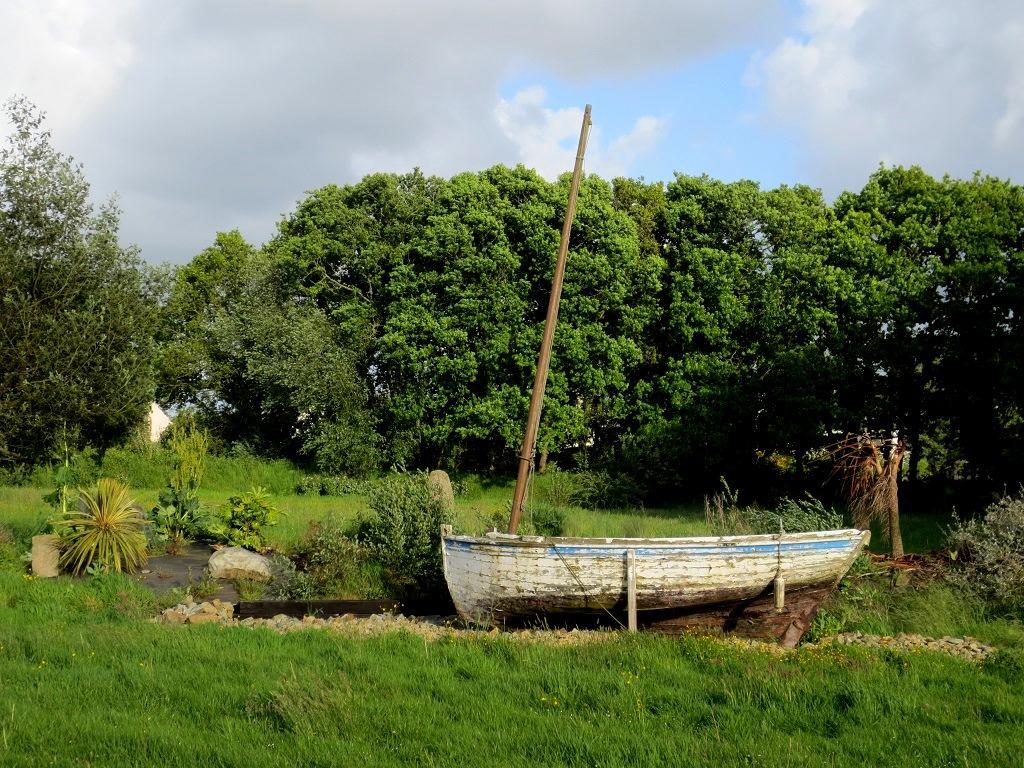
(871, 604)
(85, 681)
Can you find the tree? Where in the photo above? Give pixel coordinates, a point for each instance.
(77, 312)
(199, 291)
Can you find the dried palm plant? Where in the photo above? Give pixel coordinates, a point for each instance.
(868, 473)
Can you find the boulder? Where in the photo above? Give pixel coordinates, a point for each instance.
(440, 487)
(238, 563)
(45, 556)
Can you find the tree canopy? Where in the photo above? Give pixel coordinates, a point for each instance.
(707, 328)
(77, 310)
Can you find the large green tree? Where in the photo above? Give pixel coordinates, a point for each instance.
(77, 312)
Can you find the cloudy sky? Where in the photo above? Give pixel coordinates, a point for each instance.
(206, 115)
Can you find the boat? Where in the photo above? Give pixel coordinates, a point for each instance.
(767, 586)
(718, 583)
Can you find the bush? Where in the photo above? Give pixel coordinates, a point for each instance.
(176, 520)
(104, 533)
(241, 520)
(797, 516)
(989, 555)
(334, 485)
(336, 565)
(588, 489)
(404, 533)
(287, 582)
(547, 520)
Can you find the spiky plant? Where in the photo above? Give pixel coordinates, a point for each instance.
(868, 471)
(105, 531)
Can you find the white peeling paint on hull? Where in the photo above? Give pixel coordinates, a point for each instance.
(499, 575)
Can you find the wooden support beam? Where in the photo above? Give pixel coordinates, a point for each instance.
(631, 588)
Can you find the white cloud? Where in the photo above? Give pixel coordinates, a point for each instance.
(546, 138)
(66, 56)
(940, 84)
(206, 116)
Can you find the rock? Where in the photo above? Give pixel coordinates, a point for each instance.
(203, 618)
(238, 563)
(46, 556)
(440, 487)
(173, 616)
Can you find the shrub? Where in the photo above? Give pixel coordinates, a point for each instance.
(336, 565)
(404, 532)
(797, 516)
(288, 583)
(334, 485)
(104, 533)
(176, 520)
(241, 520)
(989, 555)
(605, 490)
(190, 445)
(547, 520)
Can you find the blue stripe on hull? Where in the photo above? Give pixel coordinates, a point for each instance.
(581, 549)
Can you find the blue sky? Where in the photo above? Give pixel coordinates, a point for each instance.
(712, 118)
(204, 117)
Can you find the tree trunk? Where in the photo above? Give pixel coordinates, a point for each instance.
(895, 466)
(894, 528)
(543, 462)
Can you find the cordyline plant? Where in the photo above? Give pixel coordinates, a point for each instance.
(104, 533)
(868, 471)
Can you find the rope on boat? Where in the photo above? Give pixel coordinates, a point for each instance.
(576, 578)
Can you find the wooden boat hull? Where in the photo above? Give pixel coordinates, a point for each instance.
(500, 578)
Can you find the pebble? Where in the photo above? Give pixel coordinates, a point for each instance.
(437, 627)
(428, 627)
(963, 647)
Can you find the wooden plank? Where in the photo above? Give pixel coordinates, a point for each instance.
(756, 618)
(265, 609)
(631, 588)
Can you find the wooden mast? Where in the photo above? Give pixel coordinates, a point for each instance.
(544, 360)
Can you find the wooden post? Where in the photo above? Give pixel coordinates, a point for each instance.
(780, 593)
(544, 359)
(631, 588)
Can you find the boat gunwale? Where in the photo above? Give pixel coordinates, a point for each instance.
(495, 538)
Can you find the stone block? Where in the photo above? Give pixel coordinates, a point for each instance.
(45, 556)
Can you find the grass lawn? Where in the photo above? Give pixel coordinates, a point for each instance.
(23, 509)
(85, 680)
